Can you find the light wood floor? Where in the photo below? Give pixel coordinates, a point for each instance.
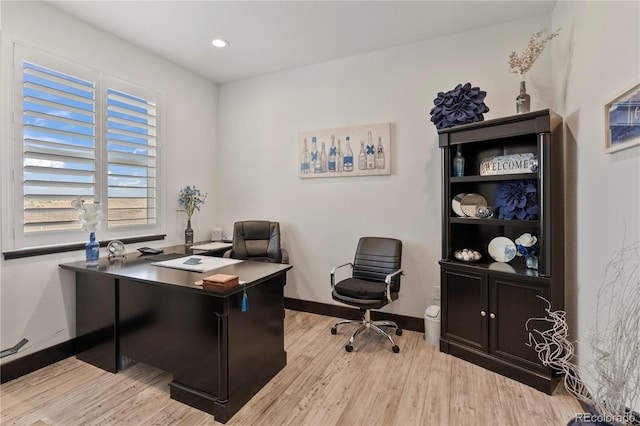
(321, 385)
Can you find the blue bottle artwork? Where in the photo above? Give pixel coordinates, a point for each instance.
(330, 153)
(348, 158)
(323, 159)
(333, 151)
(315, 161)
(362, 157)
(305, 161)
(380, 160)
(371, 153)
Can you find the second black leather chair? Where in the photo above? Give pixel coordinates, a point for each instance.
(257, 240)
(375, 282)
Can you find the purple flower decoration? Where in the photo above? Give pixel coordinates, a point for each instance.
(462, 105)
(517, 199)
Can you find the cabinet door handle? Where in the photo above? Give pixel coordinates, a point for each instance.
(492, 315)
(483, 314)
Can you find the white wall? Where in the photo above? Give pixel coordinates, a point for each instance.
(38, 299)
(596, 58)
(322, 219)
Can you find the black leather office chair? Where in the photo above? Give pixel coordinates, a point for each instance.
(257, 240)
(375, 282)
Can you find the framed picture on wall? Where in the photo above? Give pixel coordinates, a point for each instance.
(622, 120)
(347, 151)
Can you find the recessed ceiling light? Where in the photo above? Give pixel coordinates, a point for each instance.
(220, 42)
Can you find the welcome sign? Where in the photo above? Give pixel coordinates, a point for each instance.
(509, 164)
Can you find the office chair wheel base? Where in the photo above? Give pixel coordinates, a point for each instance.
(348, 348)
(395, 349)
(334, 330)
(398, 332)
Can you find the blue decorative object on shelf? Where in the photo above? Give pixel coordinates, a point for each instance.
(516, 199)
(527, 246)
(92, 250)
(462, 105)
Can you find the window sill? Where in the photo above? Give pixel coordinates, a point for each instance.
(39, 251)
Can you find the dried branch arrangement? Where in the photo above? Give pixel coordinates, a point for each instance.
(610, 383)
(521, 64)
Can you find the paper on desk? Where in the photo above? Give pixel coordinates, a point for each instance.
(207, 263)
(213, 246)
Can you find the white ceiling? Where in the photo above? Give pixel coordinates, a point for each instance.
(270, 36)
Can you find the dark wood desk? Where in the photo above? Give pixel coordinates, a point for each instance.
(129, 310)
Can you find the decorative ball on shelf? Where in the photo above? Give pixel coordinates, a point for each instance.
(467, 255)
(462, 105)
(517, 199)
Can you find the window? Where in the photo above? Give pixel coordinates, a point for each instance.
(131, 160)
(79, 132)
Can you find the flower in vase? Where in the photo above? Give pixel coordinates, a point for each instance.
(516, 199)
(464, 104)
(526, 245)
(90, 214)
(191, 199)
(521, 64)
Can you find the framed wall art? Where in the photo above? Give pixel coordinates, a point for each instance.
(622, 120)
(347, 151)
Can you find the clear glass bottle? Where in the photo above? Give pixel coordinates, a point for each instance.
(348, 158)
(380, 160)
(371, 152)
(323, 159)
(523, 100)
(92, 249)
(362, 157)
(305, 160)
(332, 155)
(458, 163)
(339, 158)
(315, 161)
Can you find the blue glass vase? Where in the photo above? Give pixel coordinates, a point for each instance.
(92, 250)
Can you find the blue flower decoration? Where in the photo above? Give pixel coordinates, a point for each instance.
(527, 251)
(516, 199)
(191, 199)
(462, 105)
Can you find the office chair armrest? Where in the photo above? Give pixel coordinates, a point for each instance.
(387, 282)
(333, 272)
(227, 254)
(285, 256)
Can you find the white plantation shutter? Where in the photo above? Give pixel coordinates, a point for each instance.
(131, 159)
(59, 147)
(78, 132)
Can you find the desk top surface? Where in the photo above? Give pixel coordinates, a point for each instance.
(138, 267)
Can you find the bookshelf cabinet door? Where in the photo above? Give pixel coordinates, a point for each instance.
(465, 319)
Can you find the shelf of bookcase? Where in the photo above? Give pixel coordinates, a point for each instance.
(492, 178)
(494, 222)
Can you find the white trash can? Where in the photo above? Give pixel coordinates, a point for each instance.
(432, 325)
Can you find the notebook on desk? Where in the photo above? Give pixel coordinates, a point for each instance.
(196, 263)
(216, 245)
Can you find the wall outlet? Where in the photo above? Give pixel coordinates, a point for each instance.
(436, 292)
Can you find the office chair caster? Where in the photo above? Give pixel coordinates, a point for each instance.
(348, 348)
(398, 332)
(334, 330)
(395, 349)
